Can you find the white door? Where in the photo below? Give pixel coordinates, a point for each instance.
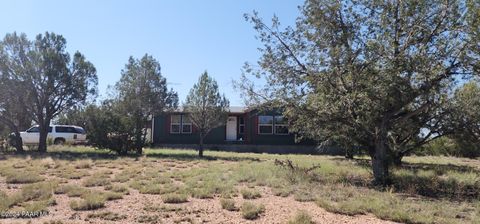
(232, 128)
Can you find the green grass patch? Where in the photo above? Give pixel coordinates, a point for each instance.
(228, 204)
(90, 202)
(250, 194)
(174, 198)
(98, 179)
(118, 188)
(22, 177)
(251, 211)
(302, 217)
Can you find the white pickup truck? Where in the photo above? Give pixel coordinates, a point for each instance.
(58, 134)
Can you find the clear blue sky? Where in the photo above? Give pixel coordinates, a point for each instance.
(186, 37)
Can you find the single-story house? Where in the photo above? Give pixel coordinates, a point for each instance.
(247, 130)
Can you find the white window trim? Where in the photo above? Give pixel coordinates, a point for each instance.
(184, 124)
(265, 125)
(172, 123)
(239, 128)
(241, 125)
(181, 124)
(281, 125)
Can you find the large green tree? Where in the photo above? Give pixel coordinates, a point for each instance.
(465, 119)
(365, 73)
(13, 116)
(52, 80)
(141, 94)
(206, 107)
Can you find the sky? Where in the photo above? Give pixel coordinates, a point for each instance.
(186, 37)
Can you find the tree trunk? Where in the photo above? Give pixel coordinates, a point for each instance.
(397, 159)
(380, 161)
(42, 141)
(200, 147)
(17, 142)
(349, 153)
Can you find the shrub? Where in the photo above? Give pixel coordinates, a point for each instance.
(111, 196)
(100, 179)
(228, 204)
(90, 202)
(23, 177)
(250, 194)
(301, 217)
(71, 173)
(173, 198)
(118, 188)
(108, 129)
(37, 191)
(39, 206)
(251, 211)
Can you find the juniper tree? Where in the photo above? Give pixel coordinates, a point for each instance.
(52, 80)
(465, 119)
(206, 107)
(141, 94)
(374, 74)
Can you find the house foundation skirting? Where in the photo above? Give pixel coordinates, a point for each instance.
(273, 149)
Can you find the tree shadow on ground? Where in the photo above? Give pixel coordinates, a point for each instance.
(415, 167)
(106, 155)
(434, 183)
(194, 157)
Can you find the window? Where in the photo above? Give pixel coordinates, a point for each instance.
(61, 129)
(241, 125)
(180, 124)
(265, 124)
(272, 125)
(186, 124)
(36, 129)
(33, 130)
(79, 131)
(281, 126)
(175, 123)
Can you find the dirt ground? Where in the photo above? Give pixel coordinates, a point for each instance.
(278, 210)
(136, 207)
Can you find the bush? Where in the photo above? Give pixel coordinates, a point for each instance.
(90, 202)
(250, 194)
(23, 177)
(456, 145)
(228, 204)
(174, 198)
(302, 217)
(118, 188)
(251, 211)
(106, 129)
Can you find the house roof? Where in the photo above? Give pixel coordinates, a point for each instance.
(232, 109)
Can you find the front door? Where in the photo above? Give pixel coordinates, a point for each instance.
(232, 129)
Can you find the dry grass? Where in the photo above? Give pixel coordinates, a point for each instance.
(89, 202)
(228, 204)
(250, 194)
(251, 211)
(302, 217)
(174, 198)
(422, 189)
